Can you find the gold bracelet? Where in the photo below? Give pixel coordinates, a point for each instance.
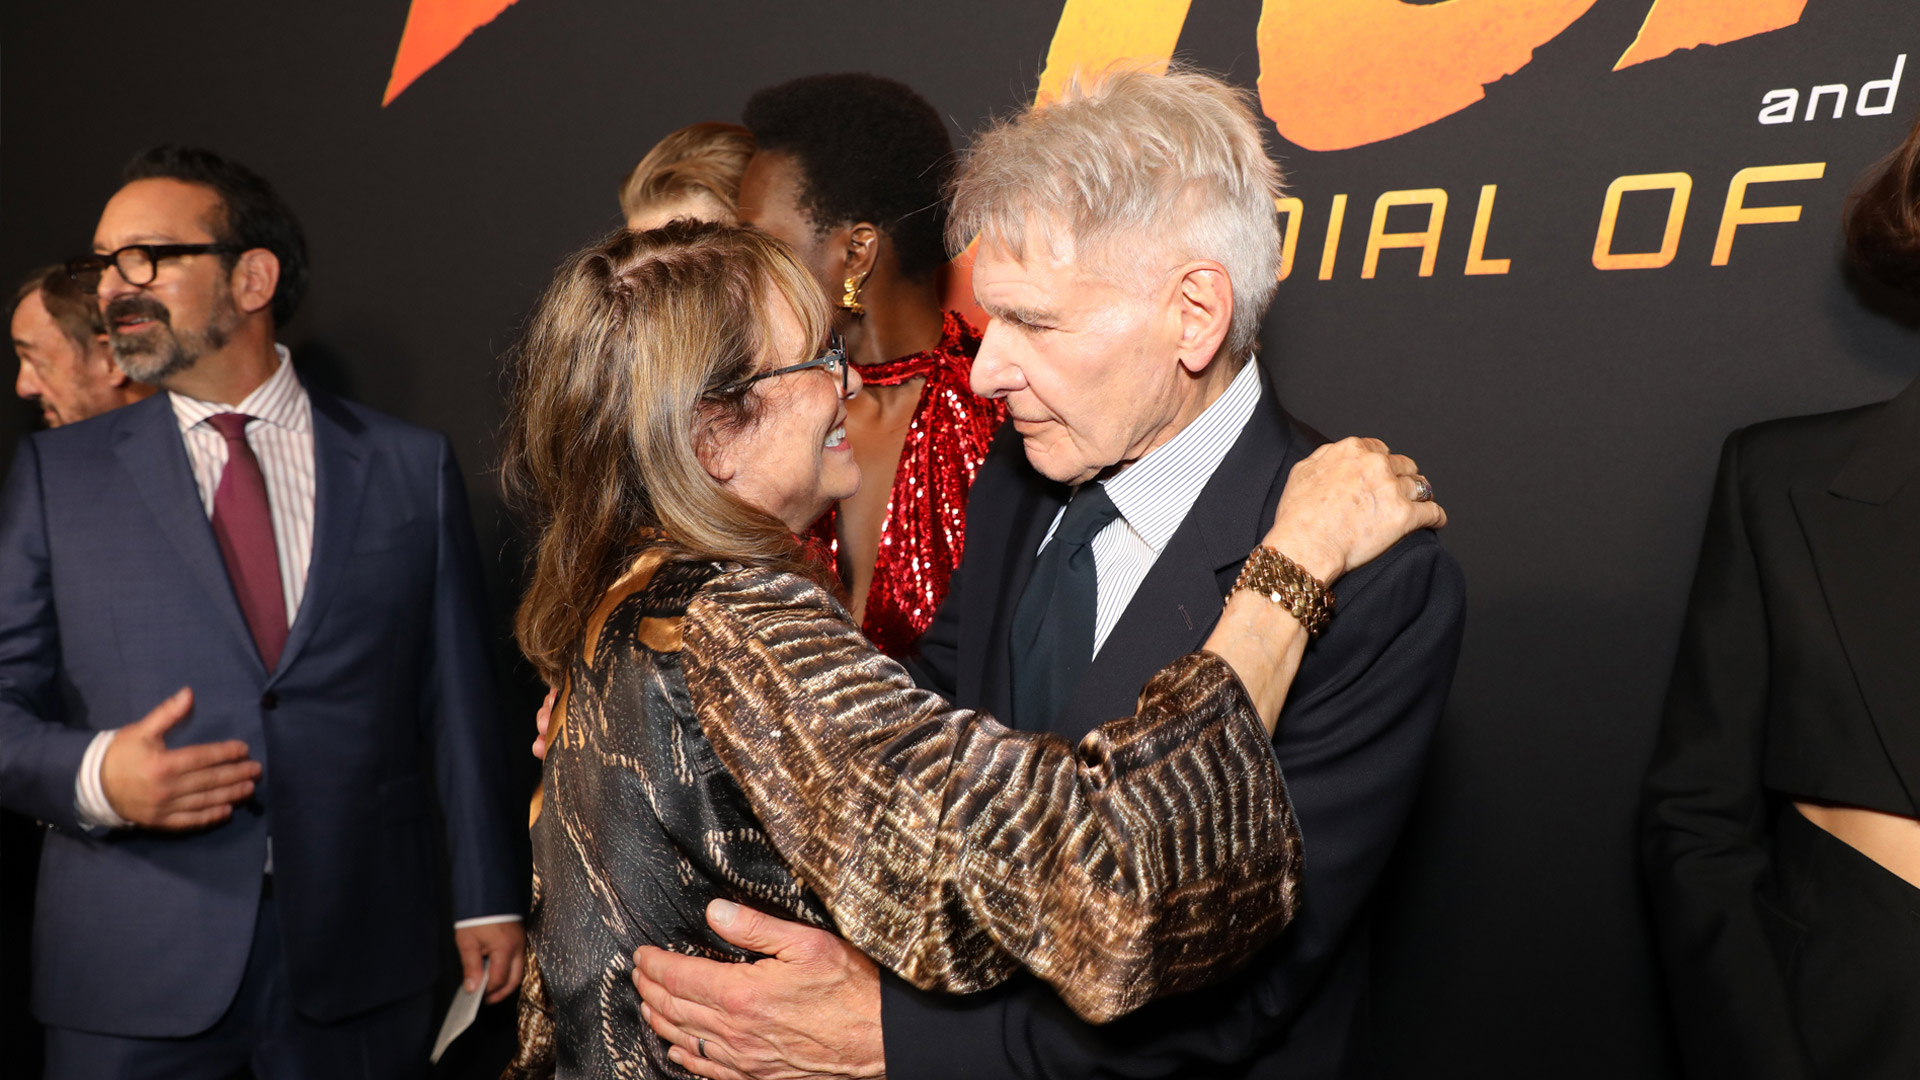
(1288, 584)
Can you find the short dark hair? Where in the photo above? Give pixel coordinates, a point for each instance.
(77, 313)
(256, 215)
(869, 149)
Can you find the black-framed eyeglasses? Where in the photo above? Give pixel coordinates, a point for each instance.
(137, 263)
(834, 359)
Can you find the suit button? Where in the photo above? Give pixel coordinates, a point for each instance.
(269, 700)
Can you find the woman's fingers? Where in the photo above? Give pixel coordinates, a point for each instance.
(1349, 501)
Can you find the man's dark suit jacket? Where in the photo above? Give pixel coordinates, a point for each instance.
(1351, 743)
(1798, 679)
(113, 595)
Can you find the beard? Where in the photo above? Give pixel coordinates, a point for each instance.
(154, 355)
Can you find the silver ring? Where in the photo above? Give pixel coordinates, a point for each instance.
(702, 1047)
(1422, 491)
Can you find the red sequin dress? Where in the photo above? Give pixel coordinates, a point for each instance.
(925, 528)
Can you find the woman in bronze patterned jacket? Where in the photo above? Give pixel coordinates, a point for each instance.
(724, 731)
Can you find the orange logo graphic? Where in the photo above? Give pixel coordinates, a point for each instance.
(434, 29)
(1673, 25)
(1333, 75)
(1339, 75)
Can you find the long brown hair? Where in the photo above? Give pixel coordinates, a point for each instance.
(1883, 224)
(614, 383)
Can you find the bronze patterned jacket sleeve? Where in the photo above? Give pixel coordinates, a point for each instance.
(1154, 857)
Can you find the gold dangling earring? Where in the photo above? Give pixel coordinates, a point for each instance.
(850, 301)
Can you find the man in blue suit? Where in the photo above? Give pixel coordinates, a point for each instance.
(241, 651)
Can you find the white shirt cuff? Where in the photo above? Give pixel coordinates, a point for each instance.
(89, 794)
(485, 920)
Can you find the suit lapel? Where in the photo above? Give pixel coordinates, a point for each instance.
(340, 461)
(1864, 533)
(147, 441)
(1179, 601)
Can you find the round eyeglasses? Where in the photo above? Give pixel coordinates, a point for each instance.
(137, 263)
(834, 359)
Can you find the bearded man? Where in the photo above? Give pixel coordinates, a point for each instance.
(240, 652)
(66, 361)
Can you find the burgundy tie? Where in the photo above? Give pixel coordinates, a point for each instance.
(244, 527)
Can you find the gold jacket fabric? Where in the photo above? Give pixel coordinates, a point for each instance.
(727, 732)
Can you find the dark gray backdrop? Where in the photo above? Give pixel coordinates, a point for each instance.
(1568, 416)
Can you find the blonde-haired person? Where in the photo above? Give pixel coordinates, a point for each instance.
(726, 736)
(693, 172)
(1126, 250)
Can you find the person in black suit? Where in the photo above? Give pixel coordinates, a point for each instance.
(241, 657)
(1779, 830)
(1127, 253)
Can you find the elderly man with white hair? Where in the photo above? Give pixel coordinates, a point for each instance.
(1127, 249)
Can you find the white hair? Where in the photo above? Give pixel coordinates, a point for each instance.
(1126, 160)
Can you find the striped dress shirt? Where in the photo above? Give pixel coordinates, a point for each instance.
(1154, 495)
(281, 435)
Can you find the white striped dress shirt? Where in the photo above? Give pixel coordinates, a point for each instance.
(1154, 495)
(281, 435)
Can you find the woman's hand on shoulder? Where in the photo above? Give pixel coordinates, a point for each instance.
(1347, 503)
(541, 720)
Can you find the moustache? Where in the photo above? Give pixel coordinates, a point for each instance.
(121, 306)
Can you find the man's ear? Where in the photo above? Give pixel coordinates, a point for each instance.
(862, 249)
(256, 274)
(1203, 305)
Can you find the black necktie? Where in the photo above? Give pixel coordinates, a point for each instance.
(1052, 633)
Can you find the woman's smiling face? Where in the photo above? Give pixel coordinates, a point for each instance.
(793, 461)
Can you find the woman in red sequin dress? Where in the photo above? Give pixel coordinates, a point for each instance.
(850, 170)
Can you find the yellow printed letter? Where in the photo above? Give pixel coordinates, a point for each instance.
(1738, 213)
(1605, 258)
(1477, 262)
(1428, 240)
(1295, 210)
(1336, 217)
